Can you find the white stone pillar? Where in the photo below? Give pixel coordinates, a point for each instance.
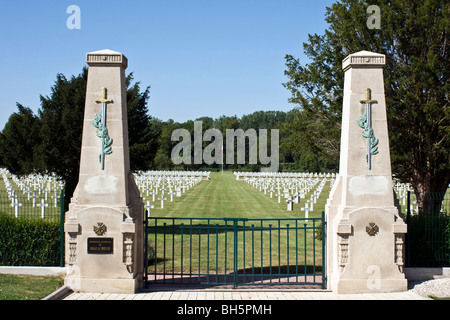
(364, 231)
(104, 224)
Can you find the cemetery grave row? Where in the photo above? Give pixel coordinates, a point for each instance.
(401, 190)
(294, 186)
(160, 186)
(302, 189)
(31, 196)
(36, 195)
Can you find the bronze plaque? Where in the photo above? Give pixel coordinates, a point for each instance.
(100, 245)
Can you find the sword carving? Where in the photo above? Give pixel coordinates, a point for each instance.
(100, 123)
(365, 122)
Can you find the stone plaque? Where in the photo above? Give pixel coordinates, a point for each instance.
(100, 245)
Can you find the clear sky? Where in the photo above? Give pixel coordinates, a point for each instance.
(200, 57)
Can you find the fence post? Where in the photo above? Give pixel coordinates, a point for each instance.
(61, 224)
(324, 256)
(235, 249)
(146, 249)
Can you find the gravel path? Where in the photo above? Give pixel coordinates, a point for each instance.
(438, 288)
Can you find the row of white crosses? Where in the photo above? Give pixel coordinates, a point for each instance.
(291, 186)
(159, 185)
(401, 189)
(11, 193)
(35, 186)
(315, 196)
(283, 175)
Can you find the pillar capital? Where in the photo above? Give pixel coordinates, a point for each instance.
(107, 57)
(364, 59)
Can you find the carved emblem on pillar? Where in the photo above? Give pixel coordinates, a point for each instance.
(372, 229)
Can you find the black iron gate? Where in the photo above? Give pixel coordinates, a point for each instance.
(232, 252)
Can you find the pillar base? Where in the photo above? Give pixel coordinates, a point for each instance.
(112, 285)
(349, 286)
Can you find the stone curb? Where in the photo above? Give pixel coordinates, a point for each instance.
(34, 271)
(59, 294)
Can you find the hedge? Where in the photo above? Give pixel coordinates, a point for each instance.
(29, 242)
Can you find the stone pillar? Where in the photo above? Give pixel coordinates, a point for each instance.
(365, 234)
(104, 224)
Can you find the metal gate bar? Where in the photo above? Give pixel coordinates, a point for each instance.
(234, 252)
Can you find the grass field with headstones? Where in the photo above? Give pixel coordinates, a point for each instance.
(33, 196)
(224, 197)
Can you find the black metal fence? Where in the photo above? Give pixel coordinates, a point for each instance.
(235, 252)
(32, 205)
(428, 237)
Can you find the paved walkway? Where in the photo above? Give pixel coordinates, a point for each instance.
(245, 295)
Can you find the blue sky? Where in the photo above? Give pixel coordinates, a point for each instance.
(200, 57)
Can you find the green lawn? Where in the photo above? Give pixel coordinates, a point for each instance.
(211, 249)
(23, 287)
